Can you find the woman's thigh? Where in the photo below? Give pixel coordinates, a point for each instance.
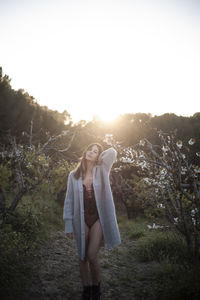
(87, 230)
(95, 238)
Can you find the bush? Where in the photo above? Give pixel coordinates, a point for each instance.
(20, 237)
(176, 281)
(160, 246)
(14, 253)
(176, 276)
(138, 230)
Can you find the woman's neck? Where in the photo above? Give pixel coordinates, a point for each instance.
(90, 166)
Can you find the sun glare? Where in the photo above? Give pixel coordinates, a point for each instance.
(105, 58)
(107, 117)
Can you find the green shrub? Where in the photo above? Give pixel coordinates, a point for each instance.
(173, 275)
(30, 224)
(138, 230)
(160, 245)
(177, 281)
(121, 219)
(14, 251)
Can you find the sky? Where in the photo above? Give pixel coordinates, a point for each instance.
(104, 58)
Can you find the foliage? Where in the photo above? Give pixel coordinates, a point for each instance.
(175, 181)
(5, 177)
(30, 168)
(159, 176)
(123, 191)
(138, 230)
(58, 176)
(173, 273)
(30, 180)
(25, 229)
(18, 243)
(176, 281)
(18, 108)
(161, 245)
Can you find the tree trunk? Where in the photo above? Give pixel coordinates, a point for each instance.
(2, 201)
(16, 200)
(130, 212)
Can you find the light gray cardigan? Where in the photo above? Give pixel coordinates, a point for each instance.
(73, 212)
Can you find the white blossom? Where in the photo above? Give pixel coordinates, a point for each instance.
(191, 141)
(108, 139)
(142, 143)
(118, 169)
(193, 221)
(183, 155)
(197, 169)
(29, 165)
(183, 170)
(165, 149)
(65, 132)
(127, 160)
(156, 226)
(141, 154)
(18, 153)
(163, 173)
(194, 211)
(179, 144)
(142, 164)
(160, 205)
(147, 180)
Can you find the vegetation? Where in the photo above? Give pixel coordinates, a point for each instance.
(173, 273)
(175, 180)
(156, 178)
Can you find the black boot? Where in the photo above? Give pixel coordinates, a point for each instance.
(86, 292)
(96, 291)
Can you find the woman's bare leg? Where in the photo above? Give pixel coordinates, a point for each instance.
(84, 264)
(95, 237)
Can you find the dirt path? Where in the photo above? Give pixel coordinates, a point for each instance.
(56, 275)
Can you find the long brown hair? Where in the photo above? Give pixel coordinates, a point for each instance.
(82, 166)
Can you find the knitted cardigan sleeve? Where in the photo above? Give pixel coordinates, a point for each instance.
(107, 158)
(68, 206)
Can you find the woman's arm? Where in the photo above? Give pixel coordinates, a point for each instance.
(68, 206)
(108, 157)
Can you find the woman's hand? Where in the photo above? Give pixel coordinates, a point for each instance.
(70, 235)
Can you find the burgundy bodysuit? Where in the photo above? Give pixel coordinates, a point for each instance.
(90, 207)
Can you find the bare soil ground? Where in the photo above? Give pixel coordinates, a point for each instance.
(55, 272)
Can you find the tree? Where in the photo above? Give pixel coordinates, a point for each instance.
(25, 167)
(176, 181)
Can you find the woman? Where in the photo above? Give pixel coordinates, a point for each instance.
(89, 213)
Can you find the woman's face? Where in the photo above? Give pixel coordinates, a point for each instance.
(92, 153)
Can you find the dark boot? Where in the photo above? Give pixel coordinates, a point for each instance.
(96, 291)
(86, 294)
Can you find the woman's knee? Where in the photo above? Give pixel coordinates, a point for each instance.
(92, 257)
(84, 261)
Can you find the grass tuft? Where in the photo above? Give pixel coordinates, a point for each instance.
(159, 246)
